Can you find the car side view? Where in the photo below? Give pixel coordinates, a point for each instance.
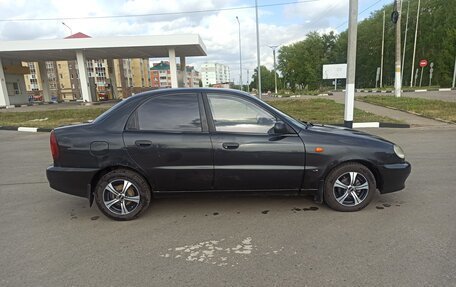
(214, 140)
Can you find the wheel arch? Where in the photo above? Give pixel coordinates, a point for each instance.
(369, 165)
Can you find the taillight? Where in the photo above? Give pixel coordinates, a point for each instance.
(54, 146)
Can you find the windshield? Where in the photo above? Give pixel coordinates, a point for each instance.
(290, 118)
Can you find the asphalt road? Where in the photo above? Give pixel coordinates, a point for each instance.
(402, 239)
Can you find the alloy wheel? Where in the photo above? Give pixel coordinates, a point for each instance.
(121, 197)
(351, 188)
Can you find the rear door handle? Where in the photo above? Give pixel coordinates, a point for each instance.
(230, 145)
(143, 143)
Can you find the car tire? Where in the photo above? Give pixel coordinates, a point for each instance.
(349, 187)
(122, 194)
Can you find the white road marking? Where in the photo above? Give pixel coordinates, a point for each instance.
(213, 252)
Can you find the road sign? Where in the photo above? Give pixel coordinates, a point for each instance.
(431, 70)
(423, 63)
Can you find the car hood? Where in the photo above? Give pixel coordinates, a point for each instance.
(345, 132)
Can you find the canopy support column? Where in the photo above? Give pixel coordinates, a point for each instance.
(183, 77)
(112, 78)
(44, 81)
(4, 98)
(83, 76)
(172, 67)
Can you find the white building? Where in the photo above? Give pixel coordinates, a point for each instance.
(214, 73)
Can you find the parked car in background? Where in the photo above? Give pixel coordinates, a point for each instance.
(214, 140)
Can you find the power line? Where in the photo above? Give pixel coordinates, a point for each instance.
(156, 14)
(345, 22)
(325, 12)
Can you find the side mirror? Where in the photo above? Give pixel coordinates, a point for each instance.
(280, 128)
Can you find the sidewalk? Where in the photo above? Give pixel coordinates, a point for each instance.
(412, 120)
(444, 95)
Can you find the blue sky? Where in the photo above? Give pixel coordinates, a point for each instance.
(281, 24)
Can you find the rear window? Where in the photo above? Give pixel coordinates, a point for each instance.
(115, 107)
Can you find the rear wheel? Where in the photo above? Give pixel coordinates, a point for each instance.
(349, 187)
(122, 194)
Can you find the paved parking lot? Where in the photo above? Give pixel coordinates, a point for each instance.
(401, 239)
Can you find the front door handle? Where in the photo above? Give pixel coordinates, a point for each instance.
(143, 143)
(230, 145)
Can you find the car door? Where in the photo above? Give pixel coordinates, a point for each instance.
(167, 136)
(248, 155)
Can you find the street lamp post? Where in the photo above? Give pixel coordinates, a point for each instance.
(383, 50)
(454, 74)
(71, 31)
(258, 49)
(414, 45)
(240, 54)
(274, 47)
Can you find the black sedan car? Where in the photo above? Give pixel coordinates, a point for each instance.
(213, 140)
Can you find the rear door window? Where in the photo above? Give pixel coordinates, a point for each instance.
(178, 113)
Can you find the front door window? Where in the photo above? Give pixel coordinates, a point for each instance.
(233, 114)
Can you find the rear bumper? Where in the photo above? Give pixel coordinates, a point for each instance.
(75, 181)
(394, 176)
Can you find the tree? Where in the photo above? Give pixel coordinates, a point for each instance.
(301, 63)
(267, 80)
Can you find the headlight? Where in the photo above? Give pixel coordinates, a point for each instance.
(399, 152)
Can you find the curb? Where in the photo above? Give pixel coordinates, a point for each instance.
(405, 91)
(381, 125)
(25, 129)
(27, 105)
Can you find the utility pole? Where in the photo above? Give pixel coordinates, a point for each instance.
(240, 54)
(421, 76)
(258, 49)
(414, 45)
(454, 74)
(405, 40)
(383, 49)
(397, 21)
(248, 83)
(351, 63)
(274, 47)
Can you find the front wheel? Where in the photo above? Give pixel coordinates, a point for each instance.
(349, 187)
(122, 194)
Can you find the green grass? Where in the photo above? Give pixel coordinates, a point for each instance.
(313, 110)
(429, 108)
(55, 118)
(324, 111)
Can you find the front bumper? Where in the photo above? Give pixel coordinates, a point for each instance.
(75, 181)
(393, 176)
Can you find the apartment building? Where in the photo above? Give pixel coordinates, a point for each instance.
(34, 82)
(160, 75)
(214, 73)
(132, 76)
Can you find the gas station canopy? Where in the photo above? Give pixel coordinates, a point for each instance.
(127, 47)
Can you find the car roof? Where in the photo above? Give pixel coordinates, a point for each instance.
(190, 90)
